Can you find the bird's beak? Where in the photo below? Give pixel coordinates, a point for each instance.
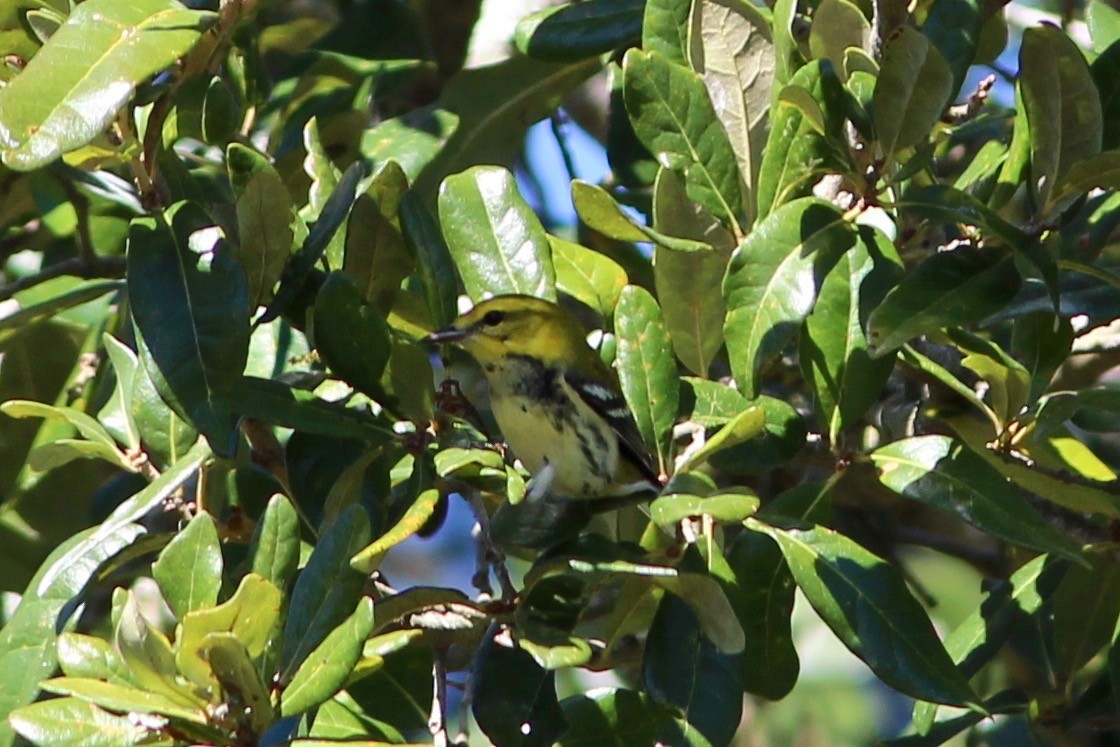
(449, 335)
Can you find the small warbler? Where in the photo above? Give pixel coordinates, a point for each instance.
(557, 403)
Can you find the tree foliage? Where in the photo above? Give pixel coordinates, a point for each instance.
(857, 306)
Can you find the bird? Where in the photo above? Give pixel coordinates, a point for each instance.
(558, 405)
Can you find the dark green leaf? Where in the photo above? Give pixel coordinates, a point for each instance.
(189, 570)
(277, 403)
(646, 370)
(866, 603)
(351, 335)
(772, 282)
(913, 88)
(619, 717)
(950, 288)
(1086, 607)
(434, 264)
(264, 220)
(514, 698)
(582, 29)
(954, 27)
(497, 241)
(414, 519)
(325, 669)
(188, 297)
(942, 472)
(377, 258)
(673, 117)
(239, 678)
(275, 546)
(327, 589)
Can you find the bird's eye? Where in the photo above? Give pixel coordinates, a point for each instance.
(493, 318)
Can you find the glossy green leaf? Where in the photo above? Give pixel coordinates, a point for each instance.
(82, 422)
(732, 50)
(148, 655)
(714, 615)
(866, 603)
(327, 589)
(274, 402)
(913, 88)
(1106, 75)
(70, 722)
(1104, 24)
(747, 425)
(63, 451)
(665, 29)
(189, 569)
(27, 640)
(684, 280)
(351, 335)
(204, 109)
(1008, 382)
(772, 282)
(275, 546)
(729, 507)
(264, 220)
(123, 698)
(979, 637)
(165, 436)
(677, 655)
(190, 303)
(600, 211)
(713, 404)
(1062, 106)
(251, 615)
(23, 316)
(434, 264)
(646, 370)
(942, 472)
(331, 218)
(495, 238)
(673, 117)
(81, 655)
(587, 276)
(834, 349)
(515, 699)
(377, 258)
(369, 558)
(954, 28)
(325, 669)
(950, 288)
(239, 678)
(798, 153)
(578, 30)
(88, 70)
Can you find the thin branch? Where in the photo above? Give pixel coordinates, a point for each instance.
(437, 721)
(98, 267)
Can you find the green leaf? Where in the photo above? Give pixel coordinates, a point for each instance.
(715, 404)
(732, 507)
(15, 321)
(834, 349)
(277, 403)
(912, 90)
(326, 591)
(189, 570)
(27, 640)
(787, 53)
(115, 415)
(122, 698)
(772, 281)
(674, 119)
(188, 299)
(331, 217)
(978, 638)
(239, 678)
(587, 276)
(733, 53)
(74, 86)
(368, 559)
(163, 434)
(497, 241)
(148, 655)
(251, 615)
(351, 335)
(865, 602)
(1086, 607)
(84, 424)
(1008, 382)
(798, 151)
(434, 265)
(377, 258)
(837, 26)
(1062, 106)
(275, 546)
(578, 30)
(954, 28)
(646, 370)
(665, 29)
(82, 655)
(1042, 341)
(942, 472)
(514, 698)
(1104, 24)
(951, 288)
(70, 722)
(1106, 75)
(324, 671)
(747, 425)
(602, 212)
(264, 220)
(684, 280)
(763, 597)
(603, 716)
(714, 615)
(677, 657)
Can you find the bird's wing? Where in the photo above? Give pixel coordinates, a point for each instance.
(610, 406)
